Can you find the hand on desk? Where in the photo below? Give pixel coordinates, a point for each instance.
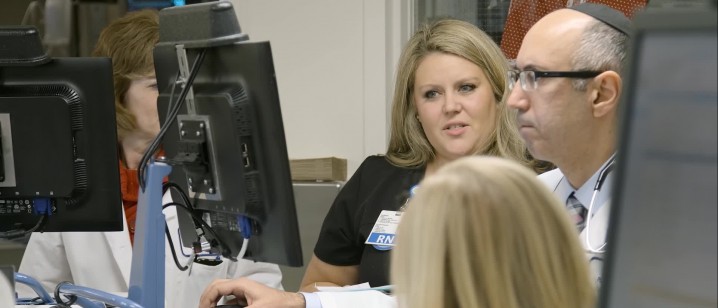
(255, 295)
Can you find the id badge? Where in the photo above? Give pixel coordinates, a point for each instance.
(384, 231)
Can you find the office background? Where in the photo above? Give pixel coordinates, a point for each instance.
(335, 60)
(335, 63)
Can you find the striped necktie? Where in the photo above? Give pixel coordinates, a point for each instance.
(577, 211)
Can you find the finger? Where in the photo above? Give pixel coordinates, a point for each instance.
(223, 287)
(213, 293)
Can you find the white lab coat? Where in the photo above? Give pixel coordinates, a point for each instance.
(6, 296)
(600, 215)
(102, 260)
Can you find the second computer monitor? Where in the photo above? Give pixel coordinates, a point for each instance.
(237, 127)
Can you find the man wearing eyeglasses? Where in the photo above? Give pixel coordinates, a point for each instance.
(565, 85)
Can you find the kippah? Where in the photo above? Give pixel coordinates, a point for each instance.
(614, 18)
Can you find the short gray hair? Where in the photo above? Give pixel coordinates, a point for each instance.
(600, 48)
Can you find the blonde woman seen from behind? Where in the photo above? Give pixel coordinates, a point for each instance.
(484, 232)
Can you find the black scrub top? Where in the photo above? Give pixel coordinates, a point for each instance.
(377, 185)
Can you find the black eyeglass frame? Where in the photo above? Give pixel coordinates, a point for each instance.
(551, 74)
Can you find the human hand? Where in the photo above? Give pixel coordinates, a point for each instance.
(255, 294)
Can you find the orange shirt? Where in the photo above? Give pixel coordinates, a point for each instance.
(130, 188)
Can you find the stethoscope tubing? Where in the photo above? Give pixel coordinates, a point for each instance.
(602, 176)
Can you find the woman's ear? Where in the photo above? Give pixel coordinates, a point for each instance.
(608, 87)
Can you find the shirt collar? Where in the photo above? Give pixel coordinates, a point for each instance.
(585, 192)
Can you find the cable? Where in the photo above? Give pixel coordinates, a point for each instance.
(170, 119)
(183, 195)
(166, 186)
(206, 227)
(172, 249)
(242, 251)
(602, 176)
(31, 301)
(32, 12)
(245, 228)
(172, 93)
(58, 299)
(12, 234)
(175, 108)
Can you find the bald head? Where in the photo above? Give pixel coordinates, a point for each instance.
(553, 39)
(562, 22)
(571, 39)
(588, 13)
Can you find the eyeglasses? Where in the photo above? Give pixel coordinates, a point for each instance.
(529, 78)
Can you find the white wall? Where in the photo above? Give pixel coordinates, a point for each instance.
(335, 64)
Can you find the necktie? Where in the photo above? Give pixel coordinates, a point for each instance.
(577, 211)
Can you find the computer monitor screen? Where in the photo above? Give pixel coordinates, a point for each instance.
(233, 147)
(59, 146)
(662, 238)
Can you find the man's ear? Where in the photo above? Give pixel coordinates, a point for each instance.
(607, 87)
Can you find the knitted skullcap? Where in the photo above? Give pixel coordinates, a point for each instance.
(607, 15)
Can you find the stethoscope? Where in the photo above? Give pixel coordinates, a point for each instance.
(602, 176)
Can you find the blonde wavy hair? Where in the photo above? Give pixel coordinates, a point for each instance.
(129, 41)
(484, 232)
(408, 146)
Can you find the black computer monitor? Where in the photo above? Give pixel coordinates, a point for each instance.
(59, 140)
(232, 139)
(662, 237)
